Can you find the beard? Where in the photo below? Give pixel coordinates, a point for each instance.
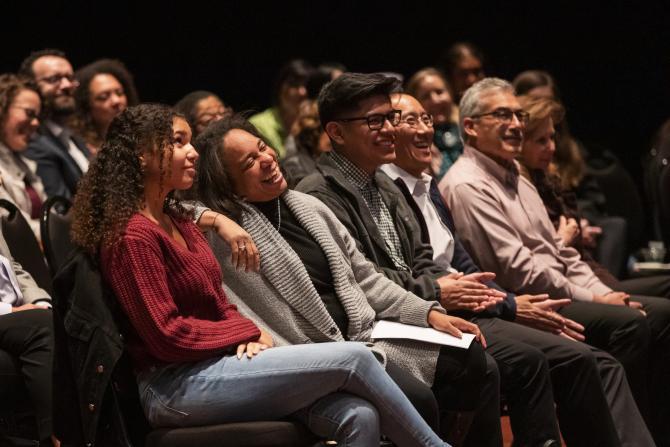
(59, 106)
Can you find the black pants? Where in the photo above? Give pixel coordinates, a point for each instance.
(466, 380)
(594, 404)
(27, 336)
(642, 345)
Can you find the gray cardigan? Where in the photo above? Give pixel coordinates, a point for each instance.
(283, 300)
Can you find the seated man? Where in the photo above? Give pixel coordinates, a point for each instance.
(26, 338)
(61, 156)
(584, 379)
(504, 225)
(360, 120)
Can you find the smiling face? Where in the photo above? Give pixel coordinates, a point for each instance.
(179, 170)
(208, 110)
(21, 120)
(107, 99)
(367, 149)
(252, 166)
(55, 80)
(413, 143)
(539, 147)
(434, 96)
(490, 135)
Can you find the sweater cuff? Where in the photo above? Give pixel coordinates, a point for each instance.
(415, 312)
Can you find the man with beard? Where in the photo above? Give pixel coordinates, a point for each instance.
(62, 158)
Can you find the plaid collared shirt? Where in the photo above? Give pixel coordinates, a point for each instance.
(373, 199)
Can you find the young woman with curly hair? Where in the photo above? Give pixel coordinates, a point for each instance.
(199, 361)
(106, 88)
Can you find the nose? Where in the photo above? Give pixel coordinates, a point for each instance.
(267, 158)
(192, 154)
(67, 83)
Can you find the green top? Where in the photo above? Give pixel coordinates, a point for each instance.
(269, 124)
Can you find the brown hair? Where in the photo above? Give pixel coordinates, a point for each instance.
(113, 188)
(568, 162)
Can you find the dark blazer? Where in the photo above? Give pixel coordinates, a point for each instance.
(57, 169)
(461, 260)
(331, 187)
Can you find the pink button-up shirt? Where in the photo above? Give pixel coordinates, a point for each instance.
(504, 225)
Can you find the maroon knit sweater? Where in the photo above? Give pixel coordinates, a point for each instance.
(172, 296)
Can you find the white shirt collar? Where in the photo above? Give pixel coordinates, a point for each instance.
(395, 171)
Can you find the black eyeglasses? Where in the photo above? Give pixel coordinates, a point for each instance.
(376, 120)
(31, 114)
(57, 78)
(414, 120)
(505, 115)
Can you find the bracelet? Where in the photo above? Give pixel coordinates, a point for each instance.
(214, 223)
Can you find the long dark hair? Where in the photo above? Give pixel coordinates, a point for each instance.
(214, 186)
(113, 188)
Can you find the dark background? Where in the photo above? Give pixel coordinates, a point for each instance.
(611, 60)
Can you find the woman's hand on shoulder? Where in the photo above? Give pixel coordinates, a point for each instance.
(245, 254)
(454, 326)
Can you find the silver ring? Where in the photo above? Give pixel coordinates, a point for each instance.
(242, 247)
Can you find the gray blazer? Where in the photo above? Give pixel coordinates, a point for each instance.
(283, 300)
(32, 293)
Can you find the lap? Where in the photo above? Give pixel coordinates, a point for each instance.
(274, 384)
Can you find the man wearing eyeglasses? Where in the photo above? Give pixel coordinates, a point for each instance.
(579, 390)
(360, 120)
(503, 223)
(62, 157)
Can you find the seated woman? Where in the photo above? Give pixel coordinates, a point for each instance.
(198, 361)
(539, 147)
(602, 235)
(431, 89)
(19, 109)
(201, 108)
(315, 286)
(105, 89)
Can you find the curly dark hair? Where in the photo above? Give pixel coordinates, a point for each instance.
(215, 188)
(113, 188)
(26, 67)
(10, 86)
(82, 120)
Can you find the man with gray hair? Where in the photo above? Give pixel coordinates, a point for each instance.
(502, 221)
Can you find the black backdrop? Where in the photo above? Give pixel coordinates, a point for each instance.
(611, 59)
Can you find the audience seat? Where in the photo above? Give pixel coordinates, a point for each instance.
(622, 196)
(55, 231)
(664, 204)
(23, 245)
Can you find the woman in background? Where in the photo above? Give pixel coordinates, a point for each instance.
(19, 111)
(105, 89)
(201, 108)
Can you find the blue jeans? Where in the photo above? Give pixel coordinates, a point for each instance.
(339, 390)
